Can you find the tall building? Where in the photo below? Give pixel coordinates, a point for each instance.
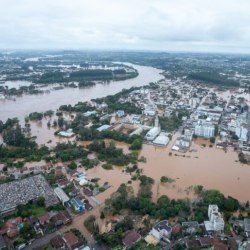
(241, 132)
(204, 130)
(216, 222)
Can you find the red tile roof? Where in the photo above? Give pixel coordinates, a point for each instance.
(131, 238)
(71, 239)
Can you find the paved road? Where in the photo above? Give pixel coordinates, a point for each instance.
(41, 241)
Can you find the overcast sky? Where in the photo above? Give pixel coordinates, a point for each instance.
(169, 25)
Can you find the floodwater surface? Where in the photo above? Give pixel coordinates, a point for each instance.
(42, 102)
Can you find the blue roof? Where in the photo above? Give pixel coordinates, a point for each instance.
(76, 202)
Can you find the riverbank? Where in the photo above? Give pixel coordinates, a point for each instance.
(39, 103)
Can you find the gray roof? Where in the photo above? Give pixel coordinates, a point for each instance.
(247, 224)
(2, 243)
(163, 225)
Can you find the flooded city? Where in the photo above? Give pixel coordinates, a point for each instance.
(114, 153)
(26, 104)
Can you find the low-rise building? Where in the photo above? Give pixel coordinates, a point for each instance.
(103, 128)
(78, 205)
(131, 238)
(62, 196)
(162, 230)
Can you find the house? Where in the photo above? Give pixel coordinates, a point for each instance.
(190, 227)
(247, 226)
(44, 218)
(69, 133)
(205, 242)
(61, 218)
(120, 113)
(162, 230)
(63, 183)
(57, 243)
(103, 128)
(77, 204)
(87, 191)
(176, 229)
(12, 227)
(71, 240)
(131, 238)
(193, 244)
(89, 113)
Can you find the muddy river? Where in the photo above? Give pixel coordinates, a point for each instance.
(40, 103)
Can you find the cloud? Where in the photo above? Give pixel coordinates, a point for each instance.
(209, 25)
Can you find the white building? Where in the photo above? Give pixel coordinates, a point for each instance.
(161, 140)
(62, 196)
(161, 230)
(204, 130)
(103, 128)
(241, 132)
(68, 133)
(153, 132)
(216, 222)
(120, 113)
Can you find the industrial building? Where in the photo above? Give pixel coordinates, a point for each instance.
(62, 196)
(161, 140)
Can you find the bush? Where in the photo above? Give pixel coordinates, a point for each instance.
(107, 166)
(165, 179)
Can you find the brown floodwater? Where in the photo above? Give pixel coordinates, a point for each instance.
(45, 135)
(210, 167)
(42, 102)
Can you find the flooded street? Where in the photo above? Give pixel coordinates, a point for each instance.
(209, 167)
(40, 103)
(214, 169)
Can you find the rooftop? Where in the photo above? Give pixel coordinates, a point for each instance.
(131, 238)
(162, 225)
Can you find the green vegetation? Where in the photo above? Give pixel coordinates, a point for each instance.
(107, 166)
(213, 197)
(35, 116)
(165, 179)
(69, 151)
(72, 165)
(89, 163)
(91, 134)
(91, 225)
(113, 102)
(173, 122)
(31, 209)
(213, 77)
(111, 154)
(83, 75)
(242, 158)
(79, 107)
